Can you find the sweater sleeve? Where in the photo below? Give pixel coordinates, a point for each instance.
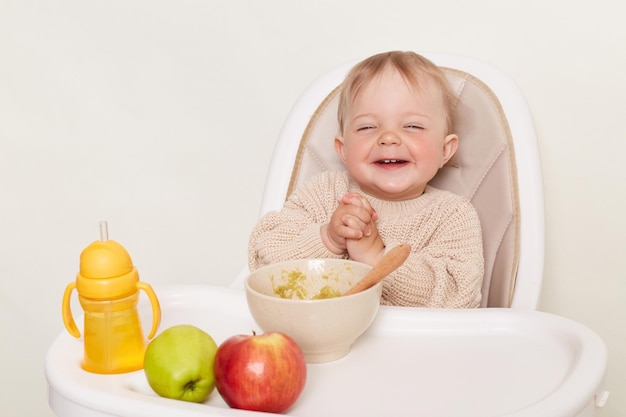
(294, 231)
(445, 267)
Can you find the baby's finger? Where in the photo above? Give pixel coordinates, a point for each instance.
(358, 200)
(351, 198)
(354, 223)
(347, 232)
(364, 214)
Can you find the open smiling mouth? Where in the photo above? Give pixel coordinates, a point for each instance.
(391, 162)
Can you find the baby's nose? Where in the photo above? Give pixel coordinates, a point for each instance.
(389, 138)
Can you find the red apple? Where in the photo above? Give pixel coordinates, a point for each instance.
(260, 372)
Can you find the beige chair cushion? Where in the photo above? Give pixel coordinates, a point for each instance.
(482, 170)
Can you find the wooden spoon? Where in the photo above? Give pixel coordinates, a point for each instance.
(389, 263)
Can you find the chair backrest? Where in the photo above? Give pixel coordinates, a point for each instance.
(496, 167)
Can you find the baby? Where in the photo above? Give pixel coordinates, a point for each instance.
(395, 120)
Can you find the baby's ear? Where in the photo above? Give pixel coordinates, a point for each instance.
(339, 148)
(450, 145)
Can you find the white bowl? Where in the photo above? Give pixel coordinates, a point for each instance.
(324, 328)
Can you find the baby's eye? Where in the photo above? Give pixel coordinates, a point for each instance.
(364, 128)
(414, 126)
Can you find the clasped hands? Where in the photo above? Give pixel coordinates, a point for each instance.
(352, 229)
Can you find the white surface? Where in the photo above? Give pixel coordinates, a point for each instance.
(435, 363)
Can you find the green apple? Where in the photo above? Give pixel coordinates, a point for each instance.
(179, 363)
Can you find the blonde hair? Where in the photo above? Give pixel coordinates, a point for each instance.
(413, 67)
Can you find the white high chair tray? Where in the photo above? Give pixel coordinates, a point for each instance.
(435, 363)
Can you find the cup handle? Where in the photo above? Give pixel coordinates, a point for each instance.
(68, 320)
(156, 307)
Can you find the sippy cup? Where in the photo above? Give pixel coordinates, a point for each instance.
(108, 290)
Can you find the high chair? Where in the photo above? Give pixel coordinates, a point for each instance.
(509, 360)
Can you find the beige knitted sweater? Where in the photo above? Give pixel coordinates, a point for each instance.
(444, 269)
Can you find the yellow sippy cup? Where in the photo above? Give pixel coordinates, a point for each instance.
(108, 290)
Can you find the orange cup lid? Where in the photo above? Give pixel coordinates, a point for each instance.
(106, 271)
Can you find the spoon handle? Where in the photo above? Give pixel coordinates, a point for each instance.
(389, 263)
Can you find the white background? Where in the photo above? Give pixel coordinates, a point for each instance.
(160, 117)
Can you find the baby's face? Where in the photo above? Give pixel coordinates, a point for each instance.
(394, 138)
